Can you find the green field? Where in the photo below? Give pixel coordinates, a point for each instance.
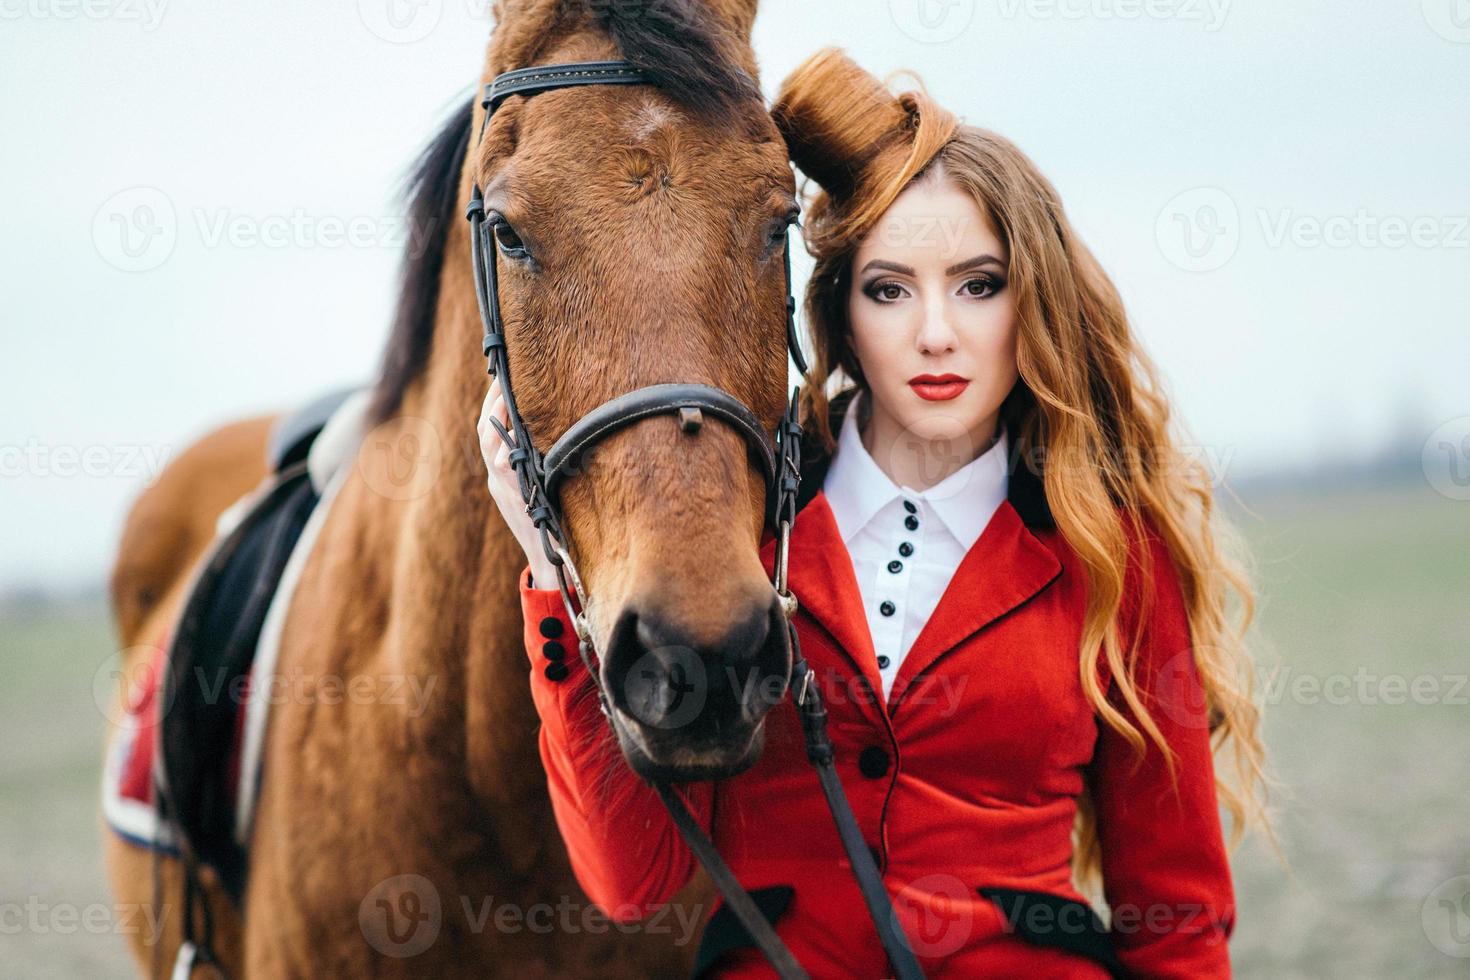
(1365, 593)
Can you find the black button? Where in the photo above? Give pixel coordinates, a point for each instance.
(911, 522)
(908, 505)
(905, 549)
(553, 650)
(895, 566)
(882, 662)
(888, 608)
(551, 627)
(556, 671)
(873, 762)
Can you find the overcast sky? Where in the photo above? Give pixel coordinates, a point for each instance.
(202, 219)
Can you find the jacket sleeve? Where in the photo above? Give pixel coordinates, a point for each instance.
(1166, 873)
(624, 848)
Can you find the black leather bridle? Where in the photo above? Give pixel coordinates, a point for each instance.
(540, 477)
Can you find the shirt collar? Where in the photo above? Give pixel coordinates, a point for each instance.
(857, 488)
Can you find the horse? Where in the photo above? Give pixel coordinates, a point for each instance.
(640, 231)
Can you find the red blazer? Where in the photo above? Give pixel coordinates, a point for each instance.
(965, 783)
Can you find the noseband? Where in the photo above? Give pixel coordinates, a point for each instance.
(541, 476)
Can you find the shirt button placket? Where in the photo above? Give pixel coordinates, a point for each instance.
(899, 585)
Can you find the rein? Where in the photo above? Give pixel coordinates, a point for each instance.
(540, 477)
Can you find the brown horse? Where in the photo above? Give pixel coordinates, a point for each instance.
(641, 243)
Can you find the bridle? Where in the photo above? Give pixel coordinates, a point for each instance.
(541, 476)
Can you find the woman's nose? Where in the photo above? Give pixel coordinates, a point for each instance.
(936, 332)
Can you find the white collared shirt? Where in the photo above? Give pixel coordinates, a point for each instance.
(906, 544)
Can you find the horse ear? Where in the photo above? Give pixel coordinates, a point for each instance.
(836, 118)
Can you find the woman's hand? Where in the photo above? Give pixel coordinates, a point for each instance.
(505, 487)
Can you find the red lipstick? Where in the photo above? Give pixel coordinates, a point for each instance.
(938, 387)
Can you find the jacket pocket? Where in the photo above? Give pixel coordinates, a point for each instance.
(1058, 922)
(725, 933)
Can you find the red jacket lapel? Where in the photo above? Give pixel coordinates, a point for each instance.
(1005, 567)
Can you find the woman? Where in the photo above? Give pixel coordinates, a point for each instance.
(1009, 583)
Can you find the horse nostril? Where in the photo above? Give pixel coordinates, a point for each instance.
(655, 676)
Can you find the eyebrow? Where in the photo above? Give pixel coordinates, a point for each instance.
(954, 270)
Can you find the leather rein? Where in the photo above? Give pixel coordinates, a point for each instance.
(541, 476)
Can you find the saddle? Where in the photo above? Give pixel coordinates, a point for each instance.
(194, 771)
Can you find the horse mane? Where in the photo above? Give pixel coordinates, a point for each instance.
(432, 190)
(686, 51)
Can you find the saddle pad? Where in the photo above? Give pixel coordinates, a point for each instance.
(177, 776)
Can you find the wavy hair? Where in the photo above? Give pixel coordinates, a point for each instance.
(1088, 400)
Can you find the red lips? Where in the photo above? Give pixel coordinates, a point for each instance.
(938, 387)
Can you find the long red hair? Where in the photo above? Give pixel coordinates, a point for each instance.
(1088, 402)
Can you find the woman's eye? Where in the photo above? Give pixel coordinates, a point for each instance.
(507, 240)
(886, 292)
(982, 288)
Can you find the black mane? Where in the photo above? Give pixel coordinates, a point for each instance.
(432, 190)
(684, 48)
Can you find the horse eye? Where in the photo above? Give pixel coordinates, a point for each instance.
(780, 228)
(507, 240)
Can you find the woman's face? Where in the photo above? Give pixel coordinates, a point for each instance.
(933, 326)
